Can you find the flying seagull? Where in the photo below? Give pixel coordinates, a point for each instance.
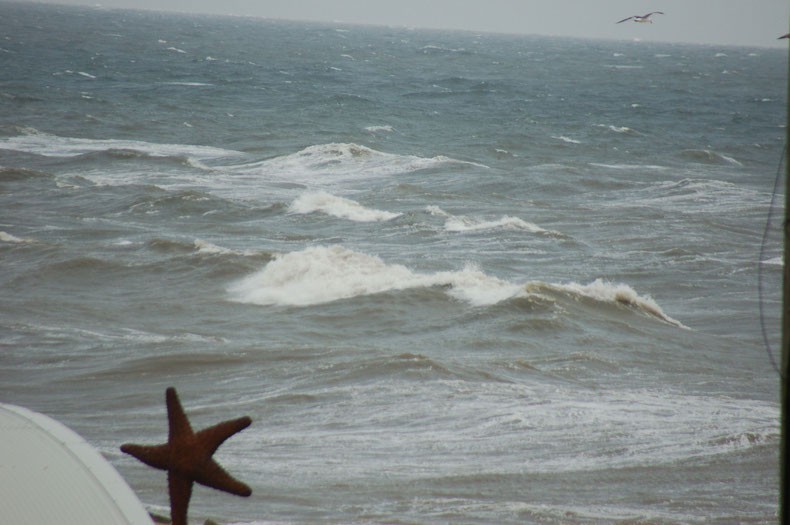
(642, 18)
(784, 36)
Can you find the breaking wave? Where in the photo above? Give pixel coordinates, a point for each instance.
(47, 145)
(323, 274)
(321, 201)
(462, 223)
(603, 291)
(708, 156)
(341, 161)
(13, 239)
(563, 138)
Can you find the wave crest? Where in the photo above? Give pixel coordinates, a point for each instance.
(462, 223)
(47, 145)
(708, 156)
(340, 207)
(345, 161)
(322, 274)
(607, 292)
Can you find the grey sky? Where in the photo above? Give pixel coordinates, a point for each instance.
(728, 22)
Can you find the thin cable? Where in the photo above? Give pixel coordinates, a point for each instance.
(760, 263)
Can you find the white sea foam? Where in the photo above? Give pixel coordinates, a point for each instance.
(466, 224)
(707, 155)
(340, 207)
(629, 166)
(374, 129)
(436, 210)
(321, 274)
(605, 291)
(462, 223)
(616, 129)
(56, 146)
(13, 239)
(209, 248)
(337, 162)
(566, 139)
(196, 84)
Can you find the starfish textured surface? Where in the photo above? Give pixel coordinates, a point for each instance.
(187, 457)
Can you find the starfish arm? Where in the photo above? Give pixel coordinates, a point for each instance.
(180, 491)
(157, 456)
(214, 476)
(177, 419)
(213, 436)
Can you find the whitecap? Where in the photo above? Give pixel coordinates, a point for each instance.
(13, 239)
(321, 201)
(566, 139)
(86, 75)
(374, 129)
(436, 210)
(209, 248)
(605, 291)
(186, 84)
(48, 145)
(323, 274)
(506, 222)
(616, 129)
(337, 162)
(462, 223)
(707, 155)
(629, 166)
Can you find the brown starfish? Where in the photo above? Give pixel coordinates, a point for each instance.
(187, 457)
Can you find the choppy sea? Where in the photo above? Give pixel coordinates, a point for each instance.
(452, 277)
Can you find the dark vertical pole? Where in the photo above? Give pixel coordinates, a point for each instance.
(784, 469)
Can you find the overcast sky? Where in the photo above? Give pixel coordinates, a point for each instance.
(728, 22)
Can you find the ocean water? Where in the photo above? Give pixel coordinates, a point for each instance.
(452, 277)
